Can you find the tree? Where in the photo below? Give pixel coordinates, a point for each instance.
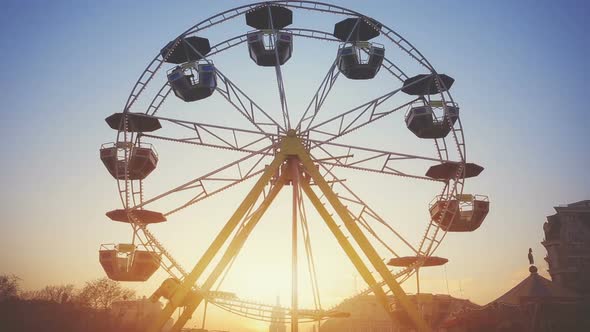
(9, 286)
(53, 293)
(101, 293)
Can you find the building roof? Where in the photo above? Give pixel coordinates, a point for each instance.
(581, 206)
(558, 305)
(536, 288)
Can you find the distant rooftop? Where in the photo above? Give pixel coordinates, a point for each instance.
(536, 288)
(583, 206)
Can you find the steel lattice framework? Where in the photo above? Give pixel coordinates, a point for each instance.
(277, 150)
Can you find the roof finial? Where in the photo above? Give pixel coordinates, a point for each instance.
(532, 268)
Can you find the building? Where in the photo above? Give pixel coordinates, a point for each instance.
(535, 304)
(367, 315)
(567, 241)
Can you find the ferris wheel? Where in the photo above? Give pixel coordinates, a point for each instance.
(276, 150)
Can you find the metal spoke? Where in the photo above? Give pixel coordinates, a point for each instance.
(217, 136)
(359, 116)
(387, 64)
(245, 105)
(365, 213)
(278, 73)
(318, 99)
(166, 89)
(322, 93)
(241, 102)
(235, 41)
(209, 184)
(155, 65)
(371, 160)
(309, 252)
(355, 118)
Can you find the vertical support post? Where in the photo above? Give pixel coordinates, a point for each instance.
(417, 281)
(204, 315)
(293, 164)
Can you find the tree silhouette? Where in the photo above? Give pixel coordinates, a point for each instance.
(52, 293)
(9, 286)
(101, 293)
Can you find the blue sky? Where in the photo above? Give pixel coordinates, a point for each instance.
(521, 73)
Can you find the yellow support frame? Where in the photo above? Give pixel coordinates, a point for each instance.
(233, 249)
(188, 282)
(348, 248)
(290, 146)
(362, 241)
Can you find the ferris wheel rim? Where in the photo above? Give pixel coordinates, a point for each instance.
(458, 184)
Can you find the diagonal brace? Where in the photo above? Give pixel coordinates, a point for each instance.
(347, 247)
(232, 251)
(361, 239)
(217, 243)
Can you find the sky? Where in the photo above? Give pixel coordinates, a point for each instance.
(520, 68)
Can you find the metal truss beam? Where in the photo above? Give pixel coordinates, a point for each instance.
(224, 137)
(214, 182)
(291, 147)
(358, 116)
(362, 241)
(319, 98)
(188, 282)
(348, 248)
(355, 118)
(232, 251)
(246, 106)
(367, 159)
(365, 214)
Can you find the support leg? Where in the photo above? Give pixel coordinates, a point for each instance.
(232, 250)
(418, 281)
(216, 245)
(293, 165)
(362, 241)
(348, 249)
